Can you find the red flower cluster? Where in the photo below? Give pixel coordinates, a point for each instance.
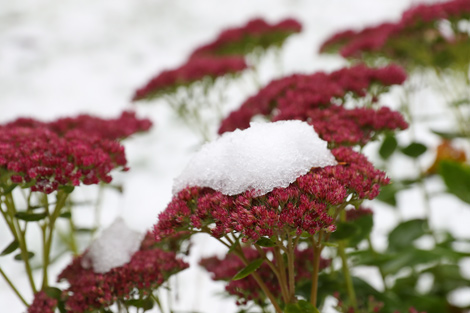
(112, 129)
(257, 33)
(42, 303)
(311, 98)
(147, 270)
(41, 158)
(340, 126)
(302, 206)
(354, 214)
(415, 31)
(247, 289)
(194, 69)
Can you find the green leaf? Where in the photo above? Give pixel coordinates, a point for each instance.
(456, 176)
(414, 149)
(67, 188)
(146, 304)
(405, 233)
(344, 230)
(30, 217)
(292, 308)
(250, 268)
(330, 244)
(307, 307)
(388, 146)
(11, 247)
(388, 194)
(19, 257)
(85, 230)
(53, 292)
(265, 242)
(67, 214)
(9, 188)
(460, 102)
(364, 225)
(448, 135)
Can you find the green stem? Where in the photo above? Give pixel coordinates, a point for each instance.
(61, 198)
(20, 236)
(260, 282)
(290, 268)
(317, 248)
(12, 286)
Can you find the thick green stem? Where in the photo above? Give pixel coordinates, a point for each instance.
(12, 286)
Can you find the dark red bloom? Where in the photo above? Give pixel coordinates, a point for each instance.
(113, 129)
(146, 271)
(313, 98)
(257, 33)
(193, 70)
(413, 40)
(42, 303)
(302, 206)
(41, 157)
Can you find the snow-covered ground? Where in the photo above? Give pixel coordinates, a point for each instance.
(60, 58)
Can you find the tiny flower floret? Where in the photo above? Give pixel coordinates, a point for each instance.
(113, 248)
(260, 158)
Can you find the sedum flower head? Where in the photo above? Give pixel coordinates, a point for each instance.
(256, 34)
(303, 206)
(195, 69)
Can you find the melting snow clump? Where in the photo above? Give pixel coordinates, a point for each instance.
(262, 157)
(113, 248)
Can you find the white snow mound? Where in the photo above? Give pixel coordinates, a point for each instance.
(262, 157)
(113, 248)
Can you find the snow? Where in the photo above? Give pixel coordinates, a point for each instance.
(262, 157)
(113, 248)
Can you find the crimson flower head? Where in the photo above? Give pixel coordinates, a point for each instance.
(43, 160)
(207, 67)
(148, 269)
(305, 204)
(415, 40)
(318, 99)
(122, 127)
(255, 34)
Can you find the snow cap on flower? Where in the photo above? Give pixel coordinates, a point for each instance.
(113, 248)
(261, 158)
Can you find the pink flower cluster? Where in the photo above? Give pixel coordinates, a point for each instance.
(193, 70)
(421, 19)
(146, 271)
(257, 33)
(112, 129)
(41, 158)
(247, 289)
(312, 98)
(354, 214)
(340, 126)
(42, 303)
(302, 207)
(67, 151)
